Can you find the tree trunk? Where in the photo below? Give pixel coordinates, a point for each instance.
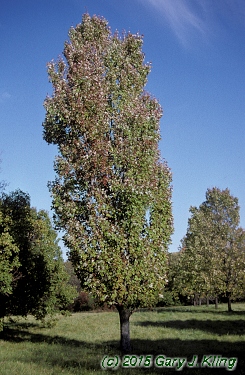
(207, 301)
(229, 302)
(216, 302)
(2, 311)
(124, 315)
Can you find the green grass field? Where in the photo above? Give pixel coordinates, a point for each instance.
(77, 344)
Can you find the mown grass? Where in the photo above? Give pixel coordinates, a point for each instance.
(77, 343)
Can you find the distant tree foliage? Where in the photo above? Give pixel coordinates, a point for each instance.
(172, 293)
(112, 194)
(9, 260)
(212, 260)
(32, 275)
(73, 279)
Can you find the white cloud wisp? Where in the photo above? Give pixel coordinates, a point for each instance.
(183, 17)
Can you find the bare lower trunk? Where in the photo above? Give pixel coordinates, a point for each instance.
(124, 315)
(216, 302)
(2, 310)
(207, 301)
(229, 302)
(196, 299)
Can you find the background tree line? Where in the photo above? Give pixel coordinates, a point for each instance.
(211, 260)
(33, 279)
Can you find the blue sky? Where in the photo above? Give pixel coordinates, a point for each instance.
(197, 52)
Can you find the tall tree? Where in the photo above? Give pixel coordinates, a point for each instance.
(213, 256)
(112, 194)
(33, 279)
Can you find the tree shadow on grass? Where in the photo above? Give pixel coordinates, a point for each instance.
(200, 310)
(49, 351)
(220, 327)
(174, 348)
(81, 357)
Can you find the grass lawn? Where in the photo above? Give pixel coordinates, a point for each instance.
(77, 344)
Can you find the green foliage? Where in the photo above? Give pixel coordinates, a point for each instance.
(73, 279)
(212, 259)
(171, 293)
(9, 260)
(33, 279)
(112, 194)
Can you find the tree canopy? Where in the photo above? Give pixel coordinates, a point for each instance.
(32, 278)
(212, 259)
(112, 193)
